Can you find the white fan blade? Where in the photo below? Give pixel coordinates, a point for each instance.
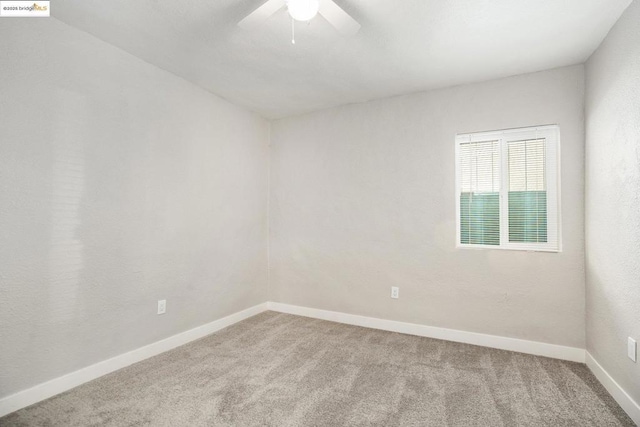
(261, 14)
(337, 17)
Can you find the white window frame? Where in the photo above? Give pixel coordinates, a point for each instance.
(551, 133)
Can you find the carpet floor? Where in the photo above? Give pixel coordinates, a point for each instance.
(282, 370)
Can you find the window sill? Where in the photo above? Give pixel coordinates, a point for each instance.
(508, 248)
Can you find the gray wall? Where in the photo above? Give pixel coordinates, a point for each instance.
(363, 198)
(613, 200)
(120, 184)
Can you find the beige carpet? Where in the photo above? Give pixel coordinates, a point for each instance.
(282, 370)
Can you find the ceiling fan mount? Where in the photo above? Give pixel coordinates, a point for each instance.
(303, 10)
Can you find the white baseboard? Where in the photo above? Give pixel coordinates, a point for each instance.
(624, 400)
(61, 384)
(58, 385)
(513, 344)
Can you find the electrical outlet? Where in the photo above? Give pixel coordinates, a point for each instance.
(162, 306)
(395, 292)
(631, 349)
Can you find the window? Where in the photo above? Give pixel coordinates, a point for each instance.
(507, 189)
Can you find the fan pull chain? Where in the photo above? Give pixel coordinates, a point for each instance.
(293, 31)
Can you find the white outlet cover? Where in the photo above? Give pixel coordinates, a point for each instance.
(395, 292)
(162, 306)
(632, 349)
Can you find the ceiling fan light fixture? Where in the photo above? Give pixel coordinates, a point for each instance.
(303, 10)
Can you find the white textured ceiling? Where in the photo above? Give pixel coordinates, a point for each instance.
(404, 45)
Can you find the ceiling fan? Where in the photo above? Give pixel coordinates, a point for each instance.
(304, 11)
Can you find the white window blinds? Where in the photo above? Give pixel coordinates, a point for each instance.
(507, 189)
(527, 191)
(480, 192)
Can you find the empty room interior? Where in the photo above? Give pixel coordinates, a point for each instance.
(320, 213)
